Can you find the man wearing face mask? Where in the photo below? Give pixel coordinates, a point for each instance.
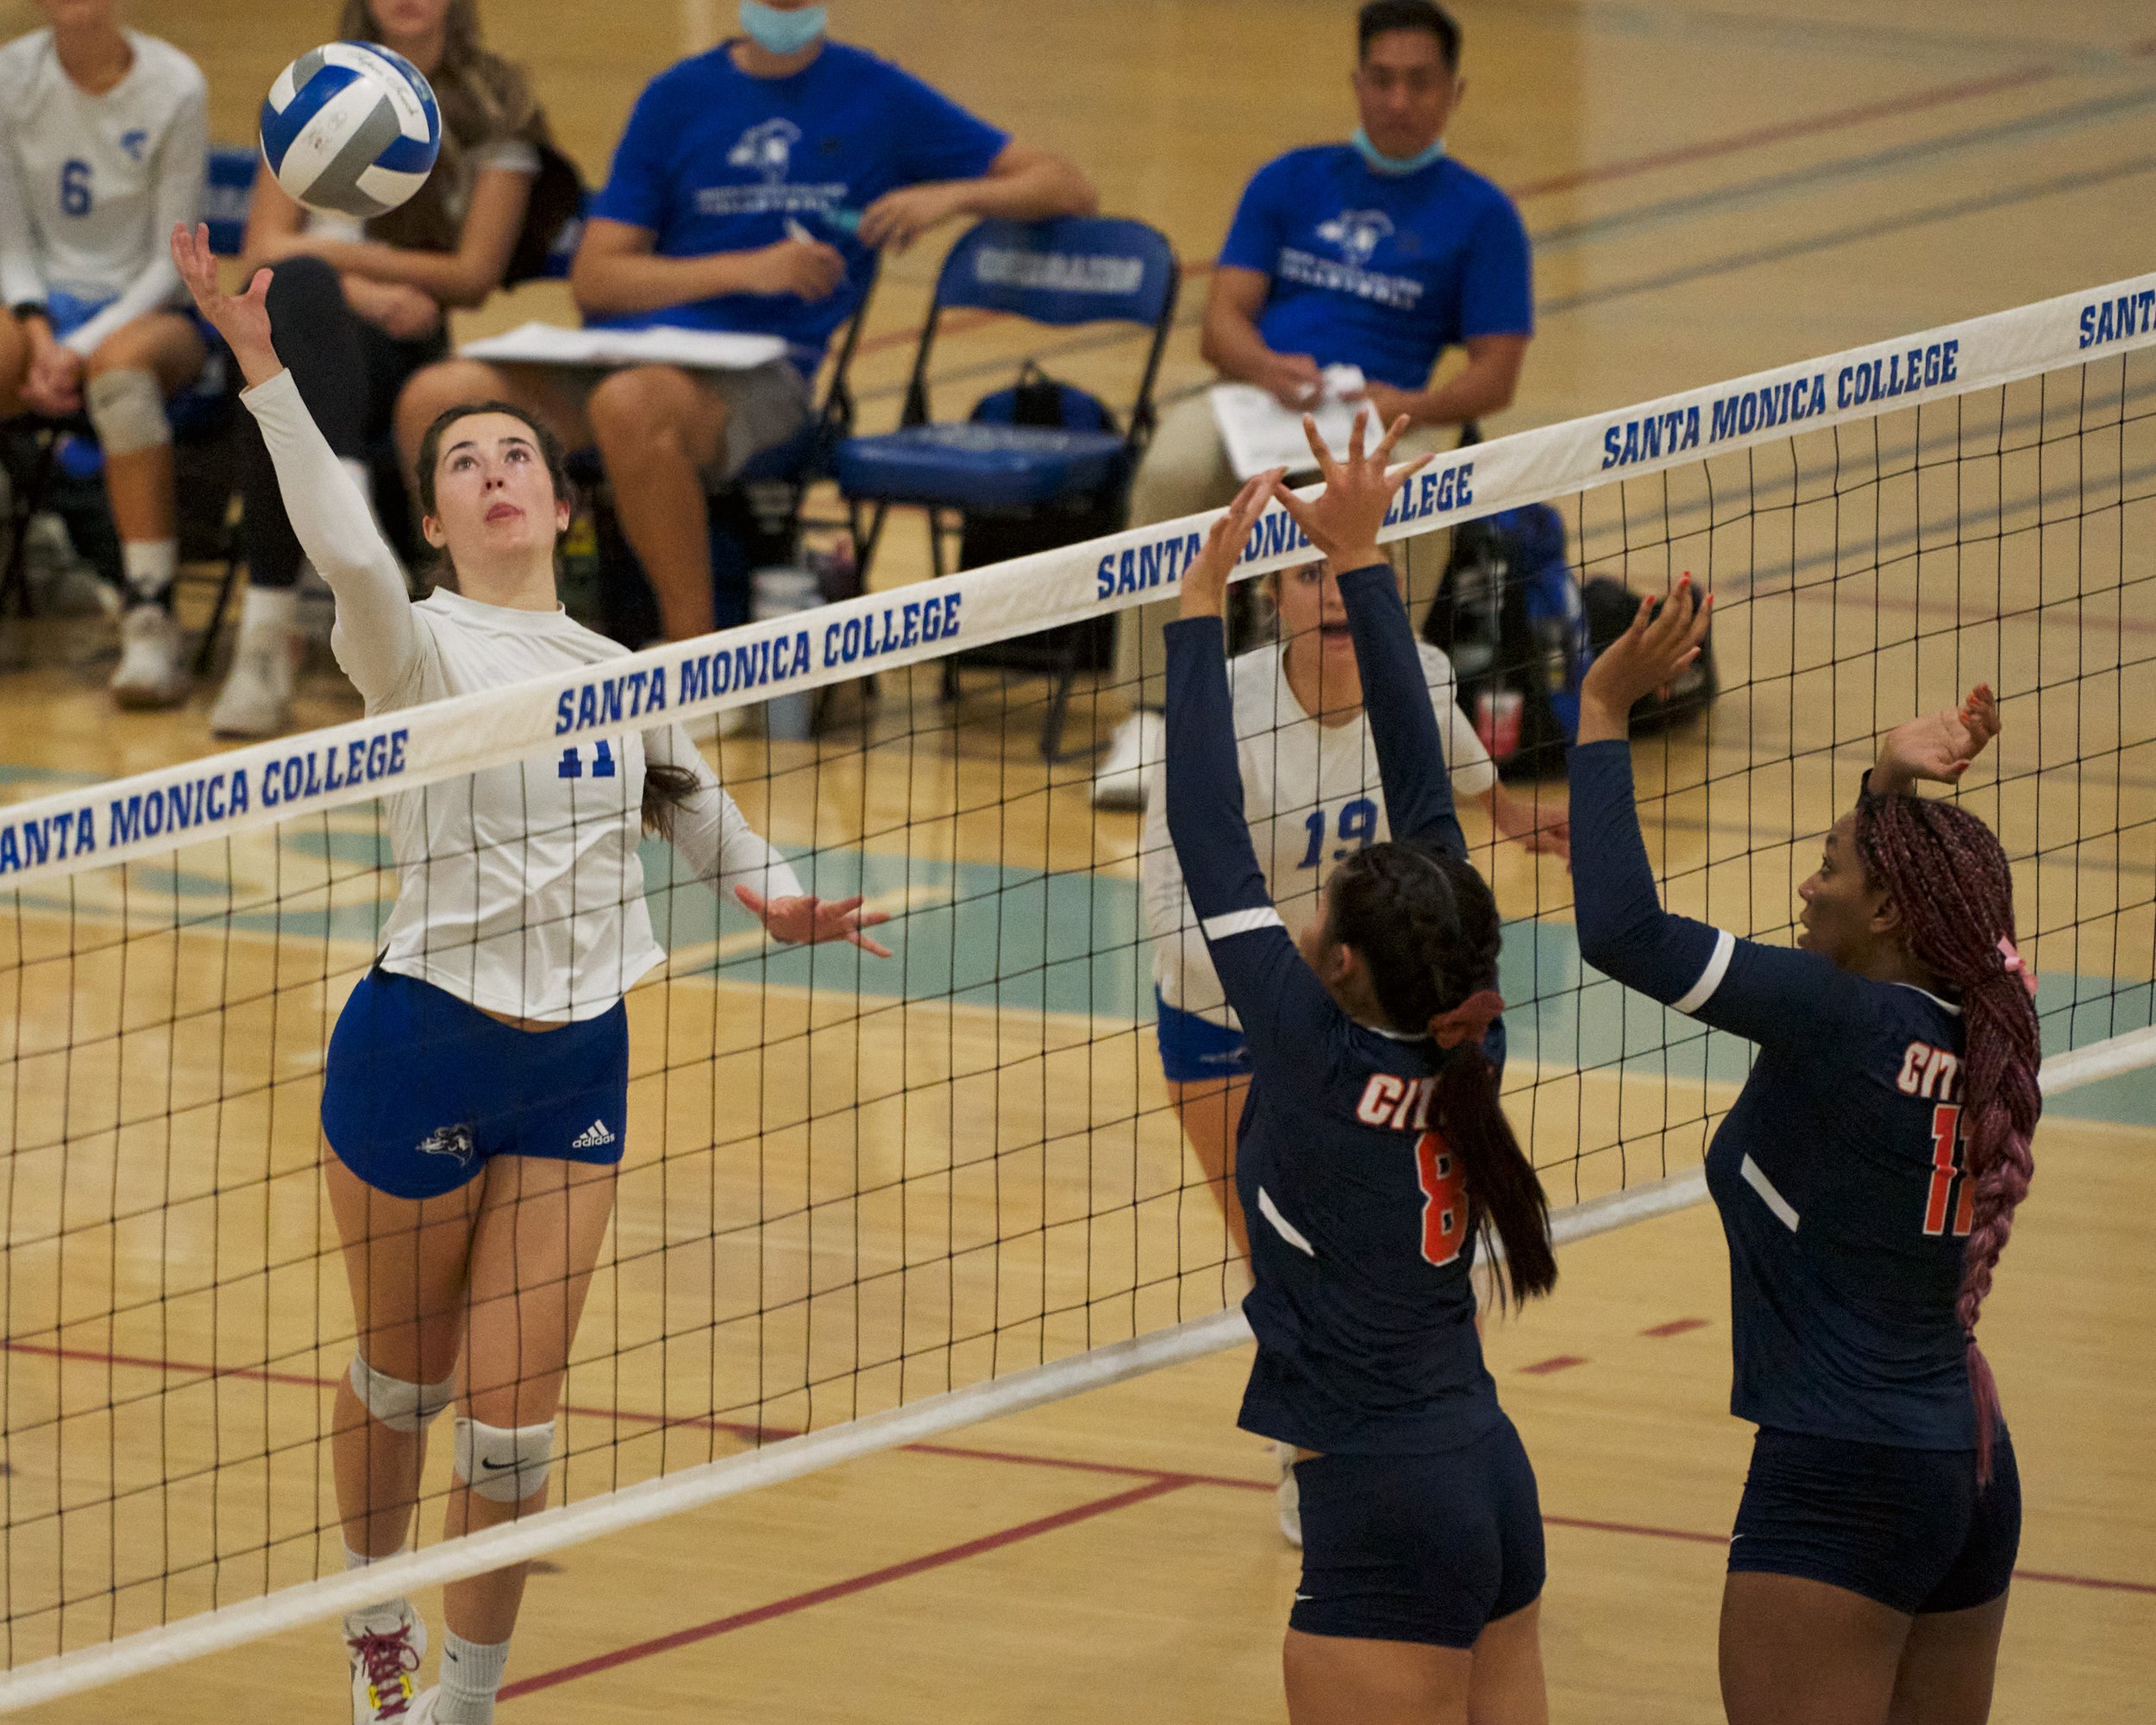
(1378, 253)
(749, 193)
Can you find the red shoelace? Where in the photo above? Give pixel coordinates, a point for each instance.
(388, 1662)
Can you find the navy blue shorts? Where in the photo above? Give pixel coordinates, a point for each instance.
(1194, 1049)
(1906, 1527)
(421, 1088)
(1427, 1548)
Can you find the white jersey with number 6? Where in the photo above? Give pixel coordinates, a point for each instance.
(1311, 797)
(91, 185)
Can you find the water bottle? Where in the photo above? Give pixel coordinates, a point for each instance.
(781, 593)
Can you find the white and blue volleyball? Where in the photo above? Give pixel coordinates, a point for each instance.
(351, 128)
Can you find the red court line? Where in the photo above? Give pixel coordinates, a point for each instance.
(1556, 1362)
(1158, 1486)
(1940, 96)
(1676, 1327)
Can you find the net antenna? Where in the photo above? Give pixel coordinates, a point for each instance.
(862, 1207)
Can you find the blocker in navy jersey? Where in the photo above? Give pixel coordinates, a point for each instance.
(1360, 1244)
(421, 1088)
(1838, 1172)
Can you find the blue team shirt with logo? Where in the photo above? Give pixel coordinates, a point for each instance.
(715, 160)
(1381, 271)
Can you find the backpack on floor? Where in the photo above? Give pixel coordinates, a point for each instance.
(1521, 632)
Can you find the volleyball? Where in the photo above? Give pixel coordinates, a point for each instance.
(351, 128)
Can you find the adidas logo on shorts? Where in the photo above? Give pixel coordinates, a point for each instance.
(591, 1136)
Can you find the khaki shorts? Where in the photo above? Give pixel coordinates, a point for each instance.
(765, 406)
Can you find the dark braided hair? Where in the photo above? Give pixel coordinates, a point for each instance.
(667, 788)
(1949, 878)
(1426, 926)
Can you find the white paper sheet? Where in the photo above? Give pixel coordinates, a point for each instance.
(1259, 433)
(551, 344)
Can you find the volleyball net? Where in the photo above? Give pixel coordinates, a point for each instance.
(867, 1200)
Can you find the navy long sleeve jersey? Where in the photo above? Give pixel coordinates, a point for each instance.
(1837, 1173)
(1363, 1309)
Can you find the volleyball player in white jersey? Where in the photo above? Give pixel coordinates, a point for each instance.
(104, 135)
(1310, 791)
(476, 1091)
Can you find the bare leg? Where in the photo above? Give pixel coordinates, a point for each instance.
(1947, 1668)
(15, 366)
(1507, 1686)
(432, 390)
(1341, 1680)
(140, 482)
(1796, 1651)
(657, 429)
(1209, 1110)
(405, 1259)
(541, 1225)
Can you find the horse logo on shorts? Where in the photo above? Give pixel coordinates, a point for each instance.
(448, 1141)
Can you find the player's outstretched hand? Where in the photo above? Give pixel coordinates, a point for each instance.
(809, 920)
(1342, 520)
(1543, 829)
(1205, 583)
(1647, 656)
(242, 319)
(1937, 746)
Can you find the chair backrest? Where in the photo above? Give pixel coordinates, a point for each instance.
(231, 182)
(1077, 269)
(1074, 269)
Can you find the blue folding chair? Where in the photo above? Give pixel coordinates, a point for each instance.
(200, 414)
(1078, 269)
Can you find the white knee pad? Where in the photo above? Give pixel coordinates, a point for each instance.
(400, 1406)
(504, 1465)
(127, 410)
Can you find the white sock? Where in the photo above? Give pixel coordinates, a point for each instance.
(269, 608)
(471, 1672)
(150, 566)
(384, 1614)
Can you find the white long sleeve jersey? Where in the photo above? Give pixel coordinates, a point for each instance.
(1312, 795)
(521, 890)
(91, 185)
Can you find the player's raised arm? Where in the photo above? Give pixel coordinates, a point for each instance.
(1342, 523)
(1278, 996)
(375, 641)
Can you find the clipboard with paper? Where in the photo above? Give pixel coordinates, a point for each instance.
(1259, 433)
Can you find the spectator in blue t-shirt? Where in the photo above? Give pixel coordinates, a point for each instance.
(1380, 253)
(749, 193)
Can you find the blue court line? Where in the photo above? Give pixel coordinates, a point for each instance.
(1074, 943)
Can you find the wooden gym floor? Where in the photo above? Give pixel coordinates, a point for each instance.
(1711, 189)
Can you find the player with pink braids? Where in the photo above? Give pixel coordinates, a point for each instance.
(1866, 1177)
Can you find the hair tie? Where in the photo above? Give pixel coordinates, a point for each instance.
(1469, 1021)
(2015, 965)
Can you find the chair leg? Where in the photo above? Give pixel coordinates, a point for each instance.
(936, 543)
(207, 648)
(865, 547)
(1060, 681)
(15, 575)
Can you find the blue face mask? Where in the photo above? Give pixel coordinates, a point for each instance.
(1381, 163)
(781, 32)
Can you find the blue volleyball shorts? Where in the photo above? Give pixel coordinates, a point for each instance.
(421, 1088)
(1427, 1548)
(1910, 1528)
(1194, 1049)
